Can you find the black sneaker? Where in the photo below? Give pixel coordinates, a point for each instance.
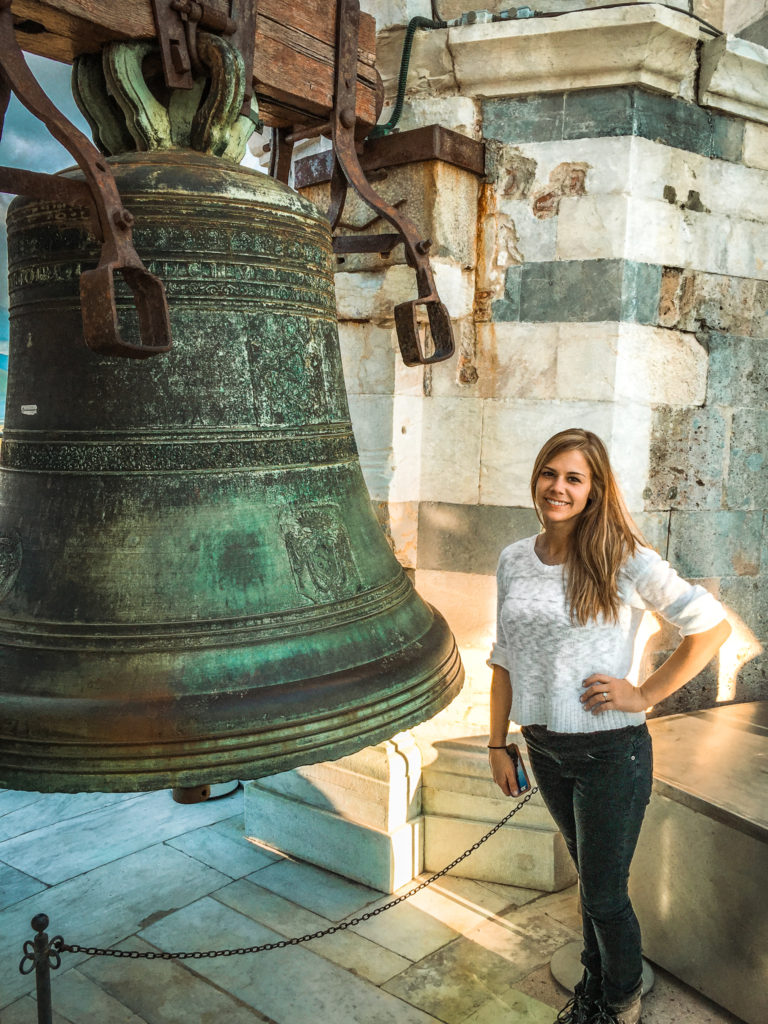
(607, 1015)
(584, 1004)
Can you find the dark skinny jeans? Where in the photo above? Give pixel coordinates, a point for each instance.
(597, 786)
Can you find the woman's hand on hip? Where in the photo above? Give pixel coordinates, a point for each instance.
(503, 771)
(607, 693)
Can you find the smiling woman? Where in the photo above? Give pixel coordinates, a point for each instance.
(562, 487)
(570, 605)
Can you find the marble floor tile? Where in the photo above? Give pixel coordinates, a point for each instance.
(563, 907)
(522, 934)
(519, 895)
(460, 978)
(16, 886)
(105, 905)
(326, 894)
(70, 847)
(51, 808)
(79, 999)
(347, 949)
(453, 982)
(540, 985)
(488, 895)
(24, 1011)
(13, 799)
(511, 1006)
(291, 986)
(408, 930)
(234, 857)
(452, 908)
(165, 992)
(232, 827)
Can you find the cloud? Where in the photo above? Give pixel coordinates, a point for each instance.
(26, 142)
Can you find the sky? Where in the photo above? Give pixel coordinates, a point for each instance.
(27, 143)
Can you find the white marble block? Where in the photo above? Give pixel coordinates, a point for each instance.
(734, 77)
(359, 816)
(461, 803)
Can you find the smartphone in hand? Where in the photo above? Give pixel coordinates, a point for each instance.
(523, 782)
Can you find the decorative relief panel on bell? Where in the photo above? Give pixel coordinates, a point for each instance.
(319, 552)
(10, 561)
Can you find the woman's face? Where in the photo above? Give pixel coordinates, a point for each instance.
(563, 487)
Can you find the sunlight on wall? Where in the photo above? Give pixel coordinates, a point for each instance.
(649, 627)
(740, 647)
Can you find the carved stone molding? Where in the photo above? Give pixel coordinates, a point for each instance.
(651, 46)
(734, 77)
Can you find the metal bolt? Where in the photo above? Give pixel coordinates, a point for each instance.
(476, 18)
(123, 218)
(347, 117)
(424, 246)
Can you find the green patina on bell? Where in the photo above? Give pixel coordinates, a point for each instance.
(193, 585)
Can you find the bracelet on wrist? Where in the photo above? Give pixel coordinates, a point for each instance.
(491, 747)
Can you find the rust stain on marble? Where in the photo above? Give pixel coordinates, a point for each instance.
(567, 179)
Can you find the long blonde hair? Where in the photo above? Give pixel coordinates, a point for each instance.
(604, 536)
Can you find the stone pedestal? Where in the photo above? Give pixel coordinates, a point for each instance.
(386, 814)
(359, 816)
(461, 803)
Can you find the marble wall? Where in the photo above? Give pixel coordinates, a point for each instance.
(608, 272)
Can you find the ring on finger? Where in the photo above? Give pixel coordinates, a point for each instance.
(605, 696)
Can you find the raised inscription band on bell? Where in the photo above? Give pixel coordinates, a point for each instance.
(205, 633)
(191, 455)
(358, 714)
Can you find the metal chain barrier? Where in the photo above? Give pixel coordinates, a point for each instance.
(57, 945)
(42, 954)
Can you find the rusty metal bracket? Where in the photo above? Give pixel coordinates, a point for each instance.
(280, 154)
(429, 142)
(173, 32)
(243, 13)
(177, 23)
(110, 221)
(347, 171)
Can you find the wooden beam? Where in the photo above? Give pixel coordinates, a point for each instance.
(293, 65)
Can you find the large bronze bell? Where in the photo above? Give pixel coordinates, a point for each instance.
(193, 585)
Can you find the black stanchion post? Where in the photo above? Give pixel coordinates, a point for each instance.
(40, 956)
(42, 970)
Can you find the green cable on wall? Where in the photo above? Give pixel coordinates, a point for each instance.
(413, 24)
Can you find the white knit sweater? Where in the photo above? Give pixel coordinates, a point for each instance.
(548, 657)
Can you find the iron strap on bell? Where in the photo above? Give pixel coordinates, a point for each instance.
(193, 585)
